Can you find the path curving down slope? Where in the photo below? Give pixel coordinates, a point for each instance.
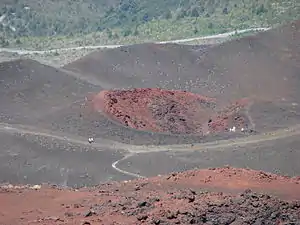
(46, 103)
(134, 149)
(45, 126)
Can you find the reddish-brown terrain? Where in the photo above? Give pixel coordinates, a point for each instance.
(213, 196)
(170, 111)
(169, 94)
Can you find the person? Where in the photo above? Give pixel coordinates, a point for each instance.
(91, 140)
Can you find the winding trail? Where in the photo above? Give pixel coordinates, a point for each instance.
(21, 129)
(222, 35)
(134, 149)
(114, 165)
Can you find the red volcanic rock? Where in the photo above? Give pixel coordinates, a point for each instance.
(242, 197)
(232, 115)
(175, 111)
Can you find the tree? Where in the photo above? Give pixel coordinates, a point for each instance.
(196, 30)
(116, 36)
(194, 12)
(109, 33)
(202, 9)
(168, 15)
(261, 9)
(126, 32)
(18, 41)
(136, 32)
(109, 11)
(4, 42)
(225, 10)
(181, 13)
(146, 17)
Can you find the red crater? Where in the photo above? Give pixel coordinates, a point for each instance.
(176, 112)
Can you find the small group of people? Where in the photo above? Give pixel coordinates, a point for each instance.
(233, 129)
(91, 140)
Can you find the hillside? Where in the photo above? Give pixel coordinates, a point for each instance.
(204, 197)
(138, 19)
(74, 139)
(215, 70)
(261, 68)
(30, 91)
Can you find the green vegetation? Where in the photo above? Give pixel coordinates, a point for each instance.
(54, 23)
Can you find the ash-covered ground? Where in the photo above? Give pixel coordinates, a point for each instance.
(47, 115)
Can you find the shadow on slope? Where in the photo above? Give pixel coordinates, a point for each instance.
(30, 90)
(263, 66)
(143, 65)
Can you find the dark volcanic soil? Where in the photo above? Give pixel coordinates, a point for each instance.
(261, 69)
(214, 196)
(176, 112)
(52, 99)
(30, 90)
(265, 66)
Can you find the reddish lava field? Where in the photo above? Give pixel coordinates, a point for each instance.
(211, 197)
(170, 111)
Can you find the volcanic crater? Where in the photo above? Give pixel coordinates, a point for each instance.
(171, 111)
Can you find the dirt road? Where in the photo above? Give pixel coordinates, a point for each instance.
(104, 144)
(222, 35)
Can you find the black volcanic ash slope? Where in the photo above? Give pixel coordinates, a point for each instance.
(30, 90)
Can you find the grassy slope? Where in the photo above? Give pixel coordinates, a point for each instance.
(81, 22)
